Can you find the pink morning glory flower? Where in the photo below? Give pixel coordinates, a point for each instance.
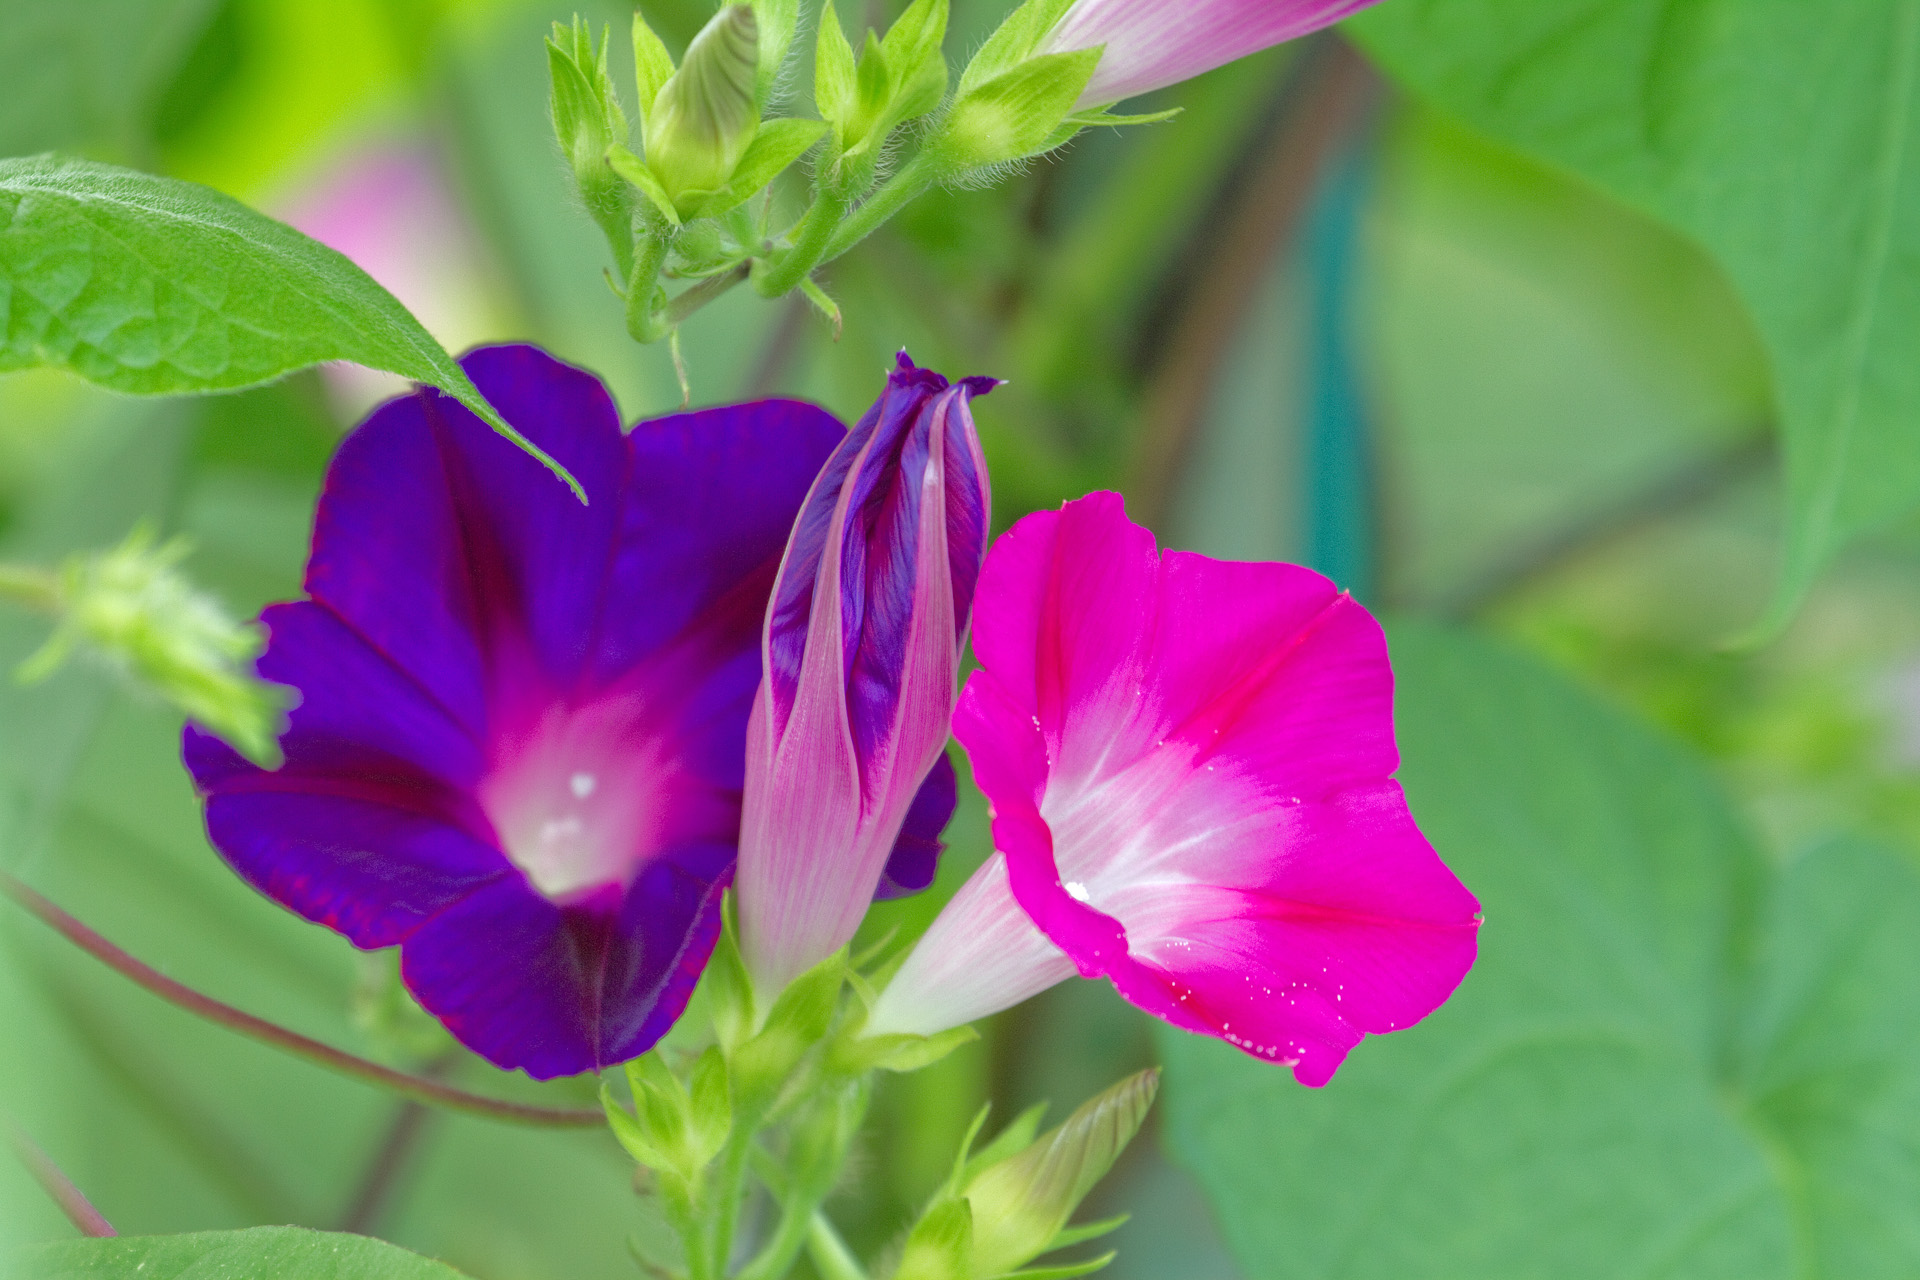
(1189, 764)
(1154, 43)
(519, 747)
(862, 652)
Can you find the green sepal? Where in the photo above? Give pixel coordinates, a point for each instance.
(1064, 1272)
(652, 64)
(710, 1099)
(1071, 1236)
(799, 1020)
(835, 92)
(896, 1052)
(705, 116)
(1014, 41)
(1098, 119)
(818, 1142)
(633, 169)
(1016, 114)
(912, 48)
(729, 988)
(940, 1246)
(663, 1109)
(779, 20)
(1015, 1138)
(778, 144)
(627, 1131)
(1022, 1203)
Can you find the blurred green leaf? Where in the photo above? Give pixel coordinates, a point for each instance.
(157, 286)
(1669, 1060)
(90, 72)
(285, 1253)
(1776, 133)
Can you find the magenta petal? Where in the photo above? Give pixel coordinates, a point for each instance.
(518, 750)
(1153, 43)
(1188, 766)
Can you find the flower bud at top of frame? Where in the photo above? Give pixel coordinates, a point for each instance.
(705, 116)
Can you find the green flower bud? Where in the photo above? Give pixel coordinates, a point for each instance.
(133, 608)
(1021, 1203)
(705, 116)
(587, 118)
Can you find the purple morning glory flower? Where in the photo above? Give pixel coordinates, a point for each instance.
(518, 753)
(845, 767)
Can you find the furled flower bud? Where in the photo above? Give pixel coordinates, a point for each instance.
(1149, 44)
(1021, 1204)
(860, 653)
(705, 116)
(587, 118)
(132, 607)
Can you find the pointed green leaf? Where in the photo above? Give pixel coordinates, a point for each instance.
(712, 1099)
(778, 20)
(157, 286)
(940, 1246)
(1070, 1236)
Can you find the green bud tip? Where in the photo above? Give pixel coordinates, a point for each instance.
(705, 116)
(132, 607)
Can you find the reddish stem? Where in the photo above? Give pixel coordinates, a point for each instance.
(59, 1187)
(419, 1088)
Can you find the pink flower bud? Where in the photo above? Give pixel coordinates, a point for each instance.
(860, 655)
(1154, 43)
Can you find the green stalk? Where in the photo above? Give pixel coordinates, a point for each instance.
(36, 589)
(650, 247)
(727, 1198)
(830, 1255)
(780, 275)
(911, 182)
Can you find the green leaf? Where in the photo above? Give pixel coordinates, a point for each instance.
(1670, 1059)
(777, 20)
(1778, 134)
(284, 1253)
(157, 286)
(633, 169)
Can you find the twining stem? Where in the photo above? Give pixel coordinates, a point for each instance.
(419, 1088)
(781, 274)
(896, 193)
(86, 1219)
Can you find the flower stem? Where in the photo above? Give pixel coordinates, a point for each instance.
(34, 588)
(896, 193)
(829, 1253)
(59, 1188)
(727, 1197)
(650, 247)
(419, 1088)
(781, 274)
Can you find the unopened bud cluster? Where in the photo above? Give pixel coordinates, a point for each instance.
(674, 201)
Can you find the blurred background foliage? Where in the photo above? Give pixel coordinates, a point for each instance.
(1482, 372)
